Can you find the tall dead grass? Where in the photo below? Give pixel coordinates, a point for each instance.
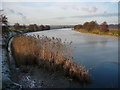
(49, 53)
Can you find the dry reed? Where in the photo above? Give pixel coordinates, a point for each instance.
(49, 53)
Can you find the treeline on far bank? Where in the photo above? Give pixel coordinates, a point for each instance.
(31, 27)
(95, 28)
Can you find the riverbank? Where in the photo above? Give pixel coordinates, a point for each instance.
(109, 33)
(6, 69)
(49, 53)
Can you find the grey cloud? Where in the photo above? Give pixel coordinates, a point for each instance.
(22, 15)
(60, 17)
(96, 15)
(90, 9)
(90, 16)
(77, 8)
(11, 10)
(64, 8)
(17, 13)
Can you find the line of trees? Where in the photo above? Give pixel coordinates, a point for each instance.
(34, 27)
(31, 27)
(93, 26)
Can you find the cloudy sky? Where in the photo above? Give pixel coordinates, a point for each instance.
(60, 12)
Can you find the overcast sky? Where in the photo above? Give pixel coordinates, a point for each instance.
(60, 12)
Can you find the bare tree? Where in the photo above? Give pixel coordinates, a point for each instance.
(16, 26)
(46, 27)
(104, 27)
(4, 22)
(41, 27)
(78, 26)
(91, 26)
(3, 18)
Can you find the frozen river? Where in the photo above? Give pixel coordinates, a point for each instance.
(98, 53)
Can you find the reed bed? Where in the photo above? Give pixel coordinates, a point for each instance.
(49, 53)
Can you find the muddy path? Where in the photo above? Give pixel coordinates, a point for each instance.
(34, 77)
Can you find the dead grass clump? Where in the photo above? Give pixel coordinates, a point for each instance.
(49, 53)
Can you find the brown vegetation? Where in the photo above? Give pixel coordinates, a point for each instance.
(93, 26)
(16, 26)
(31, 27)
(49, 53)
(114, 29)
(78, 26)
(104, 27)
(34, 27)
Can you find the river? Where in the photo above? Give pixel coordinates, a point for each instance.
(98, 53)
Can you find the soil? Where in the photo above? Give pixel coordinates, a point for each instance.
(35, 77)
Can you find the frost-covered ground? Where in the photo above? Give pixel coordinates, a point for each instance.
(5, 64)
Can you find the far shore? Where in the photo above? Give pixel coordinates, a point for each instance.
(95, 33)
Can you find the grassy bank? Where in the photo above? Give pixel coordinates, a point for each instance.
(49, 53)
(111, 32)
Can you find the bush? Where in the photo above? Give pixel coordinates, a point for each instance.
(78, 27)
(91, 26)
(16, 26)
(104, 27)
(33, 27)
(46, 27)
(88, 26)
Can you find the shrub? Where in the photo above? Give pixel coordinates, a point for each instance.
(104, 27)
(41, 27)
(16, 26)
(91, 26)
(78, 27)
(46, 27)
(33, 27)
(88, 26)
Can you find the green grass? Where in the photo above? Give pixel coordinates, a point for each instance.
(12, 29)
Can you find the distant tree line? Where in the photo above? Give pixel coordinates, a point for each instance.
(61, 26)
(115, 26)
(31, 27)
(34, 27)
(93, 26)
